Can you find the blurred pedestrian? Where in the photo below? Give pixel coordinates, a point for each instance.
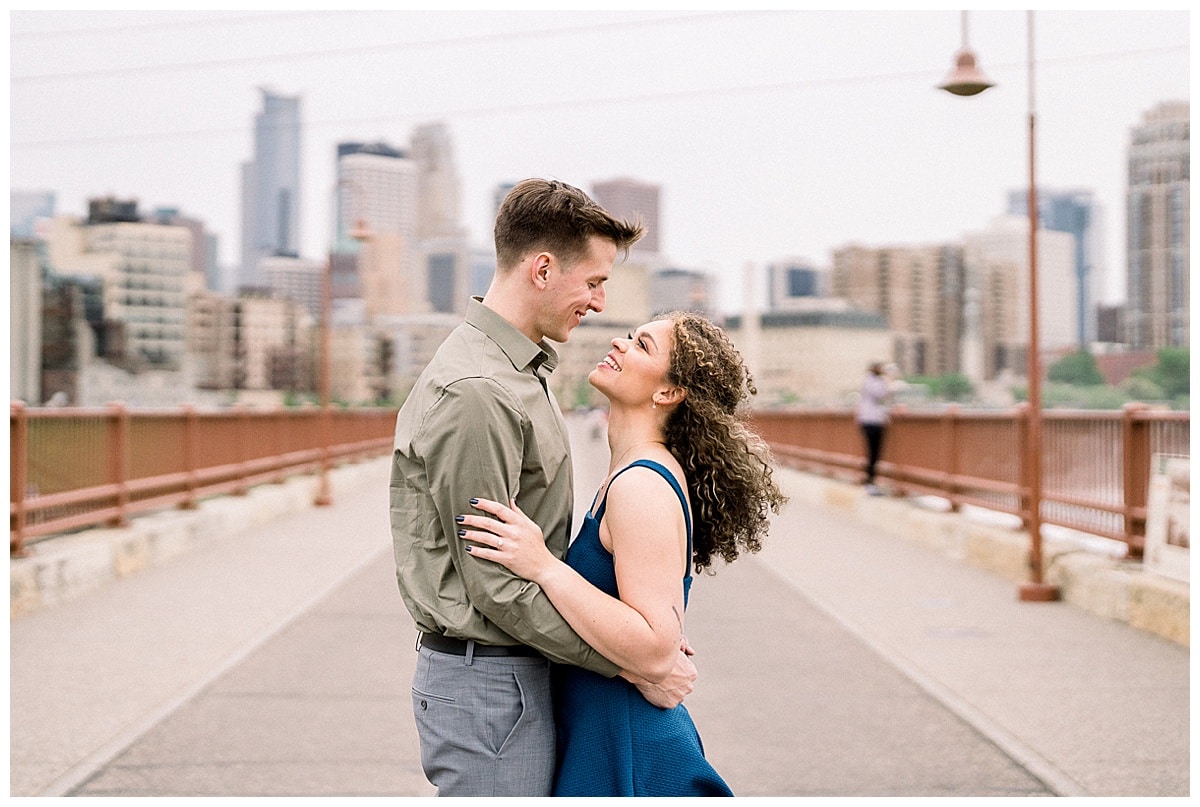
(871, 414)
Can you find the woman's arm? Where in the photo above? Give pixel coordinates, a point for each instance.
(642, 631)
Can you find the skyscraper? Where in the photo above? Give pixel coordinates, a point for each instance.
(204, 272)
(996, 309)
(437, 182)
(143, 268)
(919, 290)
(1074, 212)
(377, 186)
(271, 186)
(630, 199)
(792, 283)
(498, 194)
(24, 321)
(25, 209)
(681, 289)
(363, 194)
(1159, 217)
(445, 256)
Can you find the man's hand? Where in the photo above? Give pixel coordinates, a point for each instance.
(670, 692)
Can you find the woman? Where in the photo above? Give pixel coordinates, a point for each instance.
(872, 416)
(687, 483)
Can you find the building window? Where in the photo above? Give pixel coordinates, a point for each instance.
(440, 270)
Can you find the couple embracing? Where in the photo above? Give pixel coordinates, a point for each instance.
(544, 670)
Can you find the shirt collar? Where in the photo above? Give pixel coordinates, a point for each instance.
(521, 351)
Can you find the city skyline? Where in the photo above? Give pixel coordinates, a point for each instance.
(771, 134)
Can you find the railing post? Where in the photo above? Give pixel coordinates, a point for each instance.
(189, 455)
(118, 454)
(1135, 462)
(950, 463)
(18, 465)
(1026, 469)
(277, 432)
(241, 427)
(886, 468)
(324, 497)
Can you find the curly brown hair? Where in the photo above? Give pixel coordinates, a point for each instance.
(728, 466)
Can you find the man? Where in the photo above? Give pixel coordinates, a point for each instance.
(481, 422)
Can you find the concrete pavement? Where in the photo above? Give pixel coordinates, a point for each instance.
(275, 660)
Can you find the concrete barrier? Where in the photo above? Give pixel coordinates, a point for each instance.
(68, 566)
(1113, 587)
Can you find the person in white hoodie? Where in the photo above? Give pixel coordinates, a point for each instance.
(872, 417)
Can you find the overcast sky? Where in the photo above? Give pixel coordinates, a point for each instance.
(773, 134)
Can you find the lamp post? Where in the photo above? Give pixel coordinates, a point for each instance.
(360, 233)
(324, 496)
(965, 80)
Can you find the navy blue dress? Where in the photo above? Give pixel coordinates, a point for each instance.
(611, 741)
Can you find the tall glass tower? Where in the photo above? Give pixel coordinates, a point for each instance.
(271, 187)
(1159, 218)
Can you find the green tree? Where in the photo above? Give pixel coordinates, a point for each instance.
(1057, 395)
(1139, 387)
(1171, 373)
(948, 387)
(954, 387)
(1174, 371)
(1078, 369)
(581, 396)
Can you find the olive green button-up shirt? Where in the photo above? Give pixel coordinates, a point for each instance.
(482, 422)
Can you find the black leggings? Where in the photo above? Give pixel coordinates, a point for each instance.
(873, 434)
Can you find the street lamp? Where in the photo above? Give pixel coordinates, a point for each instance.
(966, 79)
(360, 233)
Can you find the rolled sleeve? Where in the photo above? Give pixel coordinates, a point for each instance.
(476, 440)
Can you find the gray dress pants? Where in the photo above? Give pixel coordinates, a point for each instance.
(486, 724)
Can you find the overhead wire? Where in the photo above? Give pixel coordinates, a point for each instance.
(443, 42)
(167, 25)
(574, 103)
(386, 47)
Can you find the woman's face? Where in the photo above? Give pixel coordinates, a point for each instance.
(637, 365)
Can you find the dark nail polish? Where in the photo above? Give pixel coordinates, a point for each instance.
(474, 501)
(459, 519)
(462, 533)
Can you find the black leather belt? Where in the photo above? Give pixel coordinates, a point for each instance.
(458, 647)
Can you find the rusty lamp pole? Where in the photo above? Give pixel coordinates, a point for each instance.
(965, 80)
(324, 496)
(360, 233)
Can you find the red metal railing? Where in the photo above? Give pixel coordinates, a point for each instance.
(73, 468)
(1095, 464)
(77, 467)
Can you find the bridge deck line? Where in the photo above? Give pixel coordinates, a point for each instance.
(261, 649)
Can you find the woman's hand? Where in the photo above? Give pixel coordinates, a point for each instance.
(514, 540)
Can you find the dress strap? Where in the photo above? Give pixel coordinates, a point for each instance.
(670, 477)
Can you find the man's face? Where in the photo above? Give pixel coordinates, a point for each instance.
(573, 291)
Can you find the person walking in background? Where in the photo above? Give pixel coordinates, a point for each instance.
(872, 417)
(481, 421)
(688, 483)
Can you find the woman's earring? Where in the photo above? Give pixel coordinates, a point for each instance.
(654, 405)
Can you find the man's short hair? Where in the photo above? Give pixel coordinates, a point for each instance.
(545, 214)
